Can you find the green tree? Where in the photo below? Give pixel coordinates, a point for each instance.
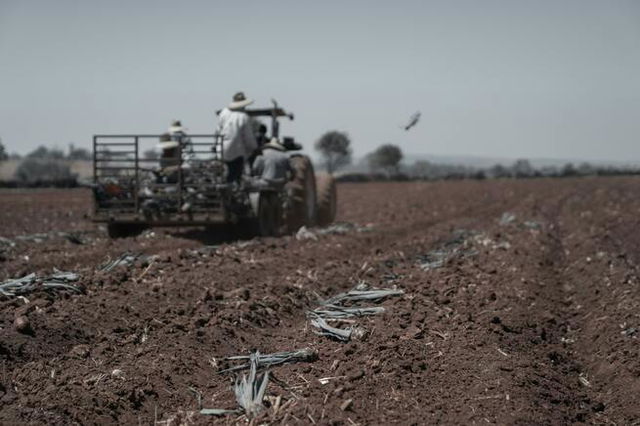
(48, 170)
(44, 152)
(78, 153)
(386, 157)
(335, 148)
(499, 171)
(3, 152)
(422, 169)
(522, 169)
(568, 170)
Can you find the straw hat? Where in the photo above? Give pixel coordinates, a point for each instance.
(274, 143)
(176, 126)
(240, 101)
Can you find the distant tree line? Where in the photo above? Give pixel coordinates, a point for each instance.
(51, 166)
(524, 169)
(385, 164)
(4, 155)
(46, 166)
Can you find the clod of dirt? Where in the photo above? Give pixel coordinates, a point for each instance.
(357, 375)
(206, 296)
(118, 373)
(412, 332)
(201, 321)
(346, 405)
(80, 351)
(351, 349)
(304, 234)
(359, 333)
(245, 294)
(23, 325)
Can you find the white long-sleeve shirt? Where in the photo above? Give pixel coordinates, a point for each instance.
(238, 139)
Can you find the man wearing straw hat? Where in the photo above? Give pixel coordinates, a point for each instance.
(273, 166)
(170, 160)
(179, 133)
(238, 139)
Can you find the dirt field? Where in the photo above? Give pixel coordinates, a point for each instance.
(521, 306)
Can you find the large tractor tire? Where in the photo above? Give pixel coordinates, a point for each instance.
(301, 191)
(327, 199)
(124, 230)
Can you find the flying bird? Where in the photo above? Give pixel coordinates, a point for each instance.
(412, 121)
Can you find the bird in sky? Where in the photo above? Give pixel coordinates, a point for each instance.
(412, 121)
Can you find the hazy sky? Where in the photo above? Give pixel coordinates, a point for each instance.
(510, 78)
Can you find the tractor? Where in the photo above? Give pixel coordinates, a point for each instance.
(132, 193)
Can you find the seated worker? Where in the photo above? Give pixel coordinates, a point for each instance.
(169, 159)
(178, 133)
(272, 167)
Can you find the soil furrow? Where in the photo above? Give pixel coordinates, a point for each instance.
(531, 318)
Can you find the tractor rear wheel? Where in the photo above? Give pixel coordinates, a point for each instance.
(301, 192)
(327, 199)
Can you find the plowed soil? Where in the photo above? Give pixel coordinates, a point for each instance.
(521, 306)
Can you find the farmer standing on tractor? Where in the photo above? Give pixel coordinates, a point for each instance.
(238, 139)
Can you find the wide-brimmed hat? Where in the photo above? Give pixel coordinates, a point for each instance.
(240, 101)
(274, 143)
(290, 144)
(176, 126)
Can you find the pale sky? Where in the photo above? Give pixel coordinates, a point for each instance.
(496, 78)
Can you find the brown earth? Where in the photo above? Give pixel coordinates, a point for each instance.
(532, 319)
